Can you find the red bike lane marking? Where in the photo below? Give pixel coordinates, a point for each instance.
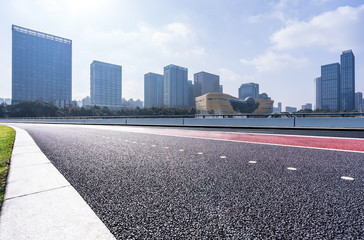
(330, 143)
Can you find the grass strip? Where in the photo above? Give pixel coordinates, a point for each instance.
(7, 137)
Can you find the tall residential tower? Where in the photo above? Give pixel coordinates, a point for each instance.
(175, 86)
(41, 67)
(153, 90)
(347, 83)
(105, 84)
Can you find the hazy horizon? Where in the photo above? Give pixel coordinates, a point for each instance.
(280, 45)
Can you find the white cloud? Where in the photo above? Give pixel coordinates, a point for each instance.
(334, 31)
(271, 61)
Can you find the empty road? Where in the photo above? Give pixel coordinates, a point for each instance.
(171, 183)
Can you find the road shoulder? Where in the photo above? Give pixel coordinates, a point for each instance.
(40, 203)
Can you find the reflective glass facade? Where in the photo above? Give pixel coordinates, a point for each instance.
(347, 83)
(318, 92)
(249, 90)
(206, 82)
(153, 90)
(175, 86)
(41, 67)
(105, 84)
(330, 87)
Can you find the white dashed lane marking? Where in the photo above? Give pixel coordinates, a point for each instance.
(252, 162)
(292, 168)
(222, 156)
(181, 150)
(166, 147)
(153, 145)
(200, 153)
(347, 178)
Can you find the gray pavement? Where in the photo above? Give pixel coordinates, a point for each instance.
(145, 186)
(40, 203)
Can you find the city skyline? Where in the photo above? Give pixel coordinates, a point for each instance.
(277, 44)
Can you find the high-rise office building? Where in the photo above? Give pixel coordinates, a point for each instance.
(279, 107)
(347, 81)
(359, 101)
(318, 93)
(41, 67)
(330, 87)
(249, 90)
(105, 84)
(153, 90)
(221, 89)
(175, 86)
(206, 82)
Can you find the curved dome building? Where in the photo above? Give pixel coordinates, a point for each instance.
(221, 103)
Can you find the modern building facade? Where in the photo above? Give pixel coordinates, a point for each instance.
(105, 84)
(291, 109)
(347, 81)
(153, 90)
(206, 82)
(330, 87)
(318, 92)
(359, 101)
(220, 103)
(175, 86)
(41, 67)
(249, 90)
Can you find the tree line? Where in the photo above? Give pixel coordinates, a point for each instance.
(46, 109)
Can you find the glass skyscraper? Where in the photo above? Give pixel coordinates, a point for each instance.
(105, 84)
(153, 90)
(206, 82)
(175, 86)
(318, 92)
(249, 90)
(347, 83)
(330, 87)
(41, 67)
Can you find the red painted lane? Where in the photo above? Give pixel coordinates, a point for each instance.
(344, 144)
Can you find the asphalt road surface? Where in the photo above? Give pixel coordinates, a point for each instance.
(149, 186)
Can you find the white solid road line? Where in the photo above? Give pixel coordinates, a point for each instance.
(40, 203)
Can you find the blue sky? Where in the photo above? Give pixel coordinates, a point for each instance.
(278, 44)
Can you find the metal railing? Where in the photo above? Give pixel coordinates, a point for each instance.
(245, 115)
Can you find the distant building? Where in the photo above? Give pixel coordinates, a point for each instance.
(175, 86)
(131, 103)
(335, 89)
(347, 81)
(86, 101)
(291, 109)
(307, 106)
(191, 94)
(221, 89)
(206, 82)
(249, 90)
(41, 67)
(278, 109)
(318, 93)
(359, 101)
(220, 103)
(105, 84)
(153, 90)
(263, 96)
(6, 101)
(330, 87)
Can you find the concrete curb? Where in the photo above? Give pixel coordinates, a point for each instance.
(40, 203)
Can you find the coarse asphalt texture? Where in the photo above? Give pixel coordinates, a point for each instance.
(145, 186)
